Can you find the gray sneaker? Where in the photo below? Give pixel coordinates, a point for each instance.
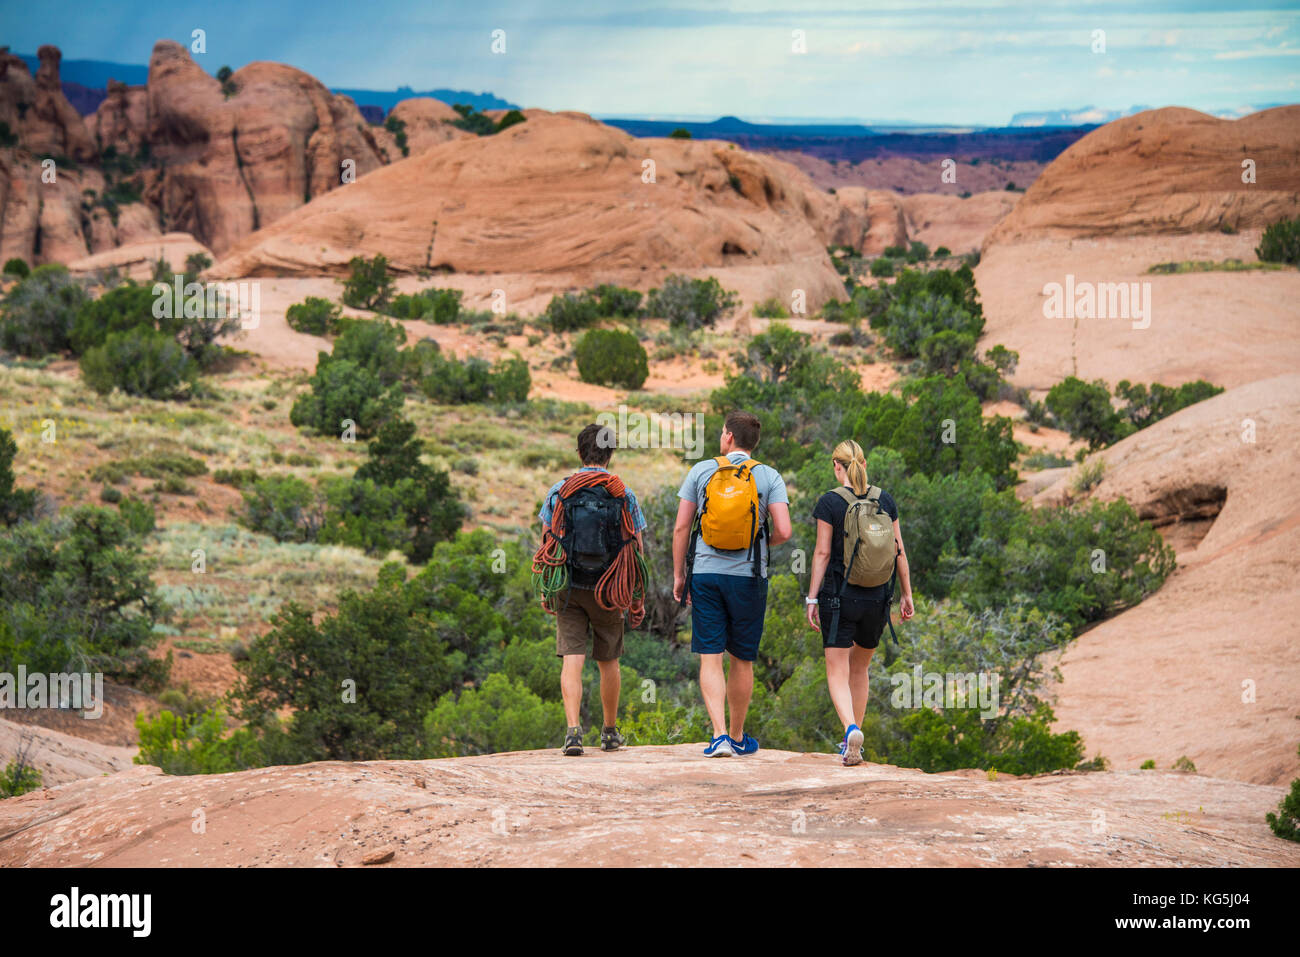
(573, 742)
(611, 740)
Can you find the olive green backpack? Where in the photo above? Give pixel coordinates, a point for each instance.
(869, 546)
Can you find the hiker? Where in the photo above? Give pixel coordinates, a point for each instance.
(590, 570)
(851, 608)
(720, 554)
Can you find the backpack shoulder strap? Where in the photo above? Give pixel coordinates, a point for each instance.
(846, 493)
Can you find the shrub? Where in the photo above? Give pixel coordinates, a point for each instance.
(500, 715)
(441, 306)
(1144, 405)
(1081, 563)
(473, 121)
(140, 362)
(121, 309)
(943, 252)
(373, 344)
(1286, 822)
(341, 390)
(572, 311)
(616, 301)
(772, 309)
(139, 516)
(384, 642)
(424, 499)
(236, 478)
(362, 514)
(19, 777)
(910, 321)
(37, 315)
(1084, 410)
(944, 351)
(315, 316)
(882, 267)
(398, 128)
(75, 595)
(16, 504)
(691, 302)
(450, 381)
(681, 133)
(511, 118)
(285, 507)
(1281, 242)
(369, 286)
(612, 357)
(195, 743)
(16, 267)
(918, 251)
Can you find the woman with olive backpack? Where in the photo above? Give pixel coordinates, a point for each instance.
(860, 544)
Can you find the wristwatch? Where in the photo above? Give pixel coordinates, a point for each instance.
(810, 601)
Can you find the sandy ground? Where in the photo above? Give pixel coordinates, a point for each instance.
(653, 806)
(1228, 327)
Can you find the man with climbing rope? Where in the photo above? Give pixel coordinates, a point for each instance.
(720, 556)
(589, 570)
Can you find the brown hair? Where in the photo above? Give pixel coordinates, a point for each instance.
(596, 444)
(744, 428)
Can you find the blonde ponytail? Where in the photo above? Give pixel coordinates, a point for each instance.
(849, 454)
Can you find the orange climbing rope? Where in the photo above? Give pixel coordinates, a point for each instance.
(622, 586)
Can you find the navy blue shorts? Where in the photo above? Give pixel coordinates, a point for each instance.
(727, 614)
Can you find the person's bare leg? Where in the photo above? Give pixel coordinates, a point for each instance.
(713, 688)
(740, 688)
(610, 681)
(837, 682)
(860, 679)
(571, 688)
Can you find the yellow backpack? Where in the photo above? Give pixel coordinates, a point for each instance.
(729, 513)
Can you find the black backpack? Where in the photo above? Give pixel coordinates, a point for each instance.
(593, 536)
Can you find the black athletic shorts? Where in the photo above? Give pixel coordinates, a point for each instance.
(862, 622)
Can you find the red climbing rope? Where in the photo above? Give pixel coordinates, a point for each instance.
(622, 586)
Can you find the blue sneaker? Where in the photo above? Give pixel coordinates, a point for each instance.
(851, 749)
(746, 744)
(720, 747)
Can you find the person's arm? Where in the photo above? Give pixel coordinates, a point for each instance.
(779, 512)
(681, 539)
(821, 558)
(906, 608)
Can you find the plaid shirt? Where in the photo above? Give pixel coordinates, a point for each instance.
(553, 496)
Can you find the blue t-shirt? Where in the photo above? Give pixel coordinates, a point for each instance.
(771, 491)
(553, 496)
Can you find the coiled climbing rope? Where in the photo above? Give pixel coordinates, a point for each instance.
(622, 586)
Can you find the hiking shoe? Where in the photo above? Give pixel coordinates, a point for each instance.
(720, 747)
(573, 742)
(852, 746)
(746, 744)
(611, 740)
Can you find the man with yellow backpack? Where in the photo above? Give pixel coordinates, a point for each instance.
(720, 556)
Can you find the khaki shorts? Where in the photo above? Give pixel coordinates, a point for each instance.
(583, 615)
